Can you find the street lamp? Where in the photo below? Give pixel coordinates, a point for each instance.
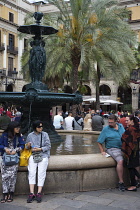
(134, 90)
(123, 100)
(7, 80)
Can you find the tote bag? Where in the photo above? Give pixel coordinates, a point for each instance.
(24, 156)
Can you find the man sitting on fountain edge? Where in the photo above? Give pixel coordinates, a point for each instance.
(111, 136)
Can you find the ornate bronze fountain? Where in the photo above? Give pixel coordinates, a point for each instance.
(37, 101)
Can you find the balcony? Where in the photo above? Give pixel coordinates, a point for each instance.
(9, 73)
(12, 73)
(12, 50)
(3, 72)
(2, 47)
(135, 75)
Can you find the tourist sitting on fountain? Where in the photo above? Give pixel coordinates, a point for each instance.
(11, 143)
(78, 122)
(97, 122)
(40, 145)
(69, 121)
(58, 121)
(87, 123)
(111, 136)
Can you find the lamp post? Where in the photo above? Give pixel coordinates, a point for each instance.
(136, 95)
(7, 80)
(123, 100)
(134, 90)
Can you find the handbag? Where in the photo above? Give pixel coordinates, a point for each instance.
(24, 156)
(37, 156)
(10, 160)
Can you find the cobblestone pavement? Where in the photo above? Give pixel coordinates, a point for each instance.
(111, 199)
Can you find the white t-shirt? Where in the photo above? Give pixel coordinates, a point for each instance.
(68, 122)
(57, 121)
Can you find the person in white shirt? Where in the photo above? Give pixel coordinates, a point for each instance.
(69, 121)
(58, 121)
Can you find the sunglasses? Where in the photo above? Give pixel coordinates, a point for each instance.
(40, 126)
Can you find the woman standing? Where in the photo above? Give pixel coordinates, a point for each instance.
(130, 148)
(11, 142)
(87, 123)
(39, 142)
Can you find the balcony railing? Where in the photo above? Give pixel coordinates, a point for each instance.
(135, 75)
(12, 50)
(3, 72)
(9, 73)
(2, 47)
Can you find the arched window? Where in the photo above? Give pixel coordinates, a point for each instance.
(88, 90)
(9, 88)
(125, 95)
(24, 88)
(67, 89)
(105, 90)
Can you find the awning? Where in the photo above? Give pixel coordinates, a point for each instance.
(104, 102)
(90, 99)
(111, 102)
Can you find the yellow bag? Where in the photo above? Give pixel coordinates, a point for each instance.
(24, 156)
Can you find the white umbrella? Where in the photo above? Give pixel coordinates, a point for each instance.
(90, 99)
(111, 101)
(103, 101)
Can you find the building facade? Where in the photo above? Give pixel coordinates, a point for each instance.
(12, 13)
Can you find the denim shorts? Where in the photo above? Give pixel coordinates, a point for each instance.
(116, 153)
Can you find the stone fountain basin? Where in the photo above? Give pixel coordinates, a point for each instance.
(74, 173)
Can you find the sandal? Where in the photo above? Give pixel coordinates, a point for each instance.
(4, 199)
(10, 197)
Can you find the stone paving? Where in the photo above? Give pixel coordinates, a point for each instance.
(110, 199)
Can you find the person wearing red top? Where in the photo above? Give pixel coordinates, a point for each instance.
(1, 110)
(9, 113)
(119, 113)
(123, 121)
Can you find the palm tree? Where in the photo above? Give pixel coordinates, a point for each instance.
(93, 37)
(113, 52)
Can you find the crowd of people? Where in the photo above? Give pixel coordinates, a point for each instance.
(8, 114)
(89, 121)
(121, 138)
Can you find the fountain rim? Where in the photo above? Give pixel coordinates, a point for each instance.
(78, 132)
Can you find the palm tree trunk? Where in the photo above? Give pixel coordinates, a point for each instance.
(74, 85)
(97, 96)
(97, 88)
(75, 57)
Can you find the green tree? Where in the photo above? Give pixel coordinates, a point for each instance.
(93, 37)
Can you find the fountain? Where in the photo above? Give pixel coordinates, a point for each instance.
(37, 100)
